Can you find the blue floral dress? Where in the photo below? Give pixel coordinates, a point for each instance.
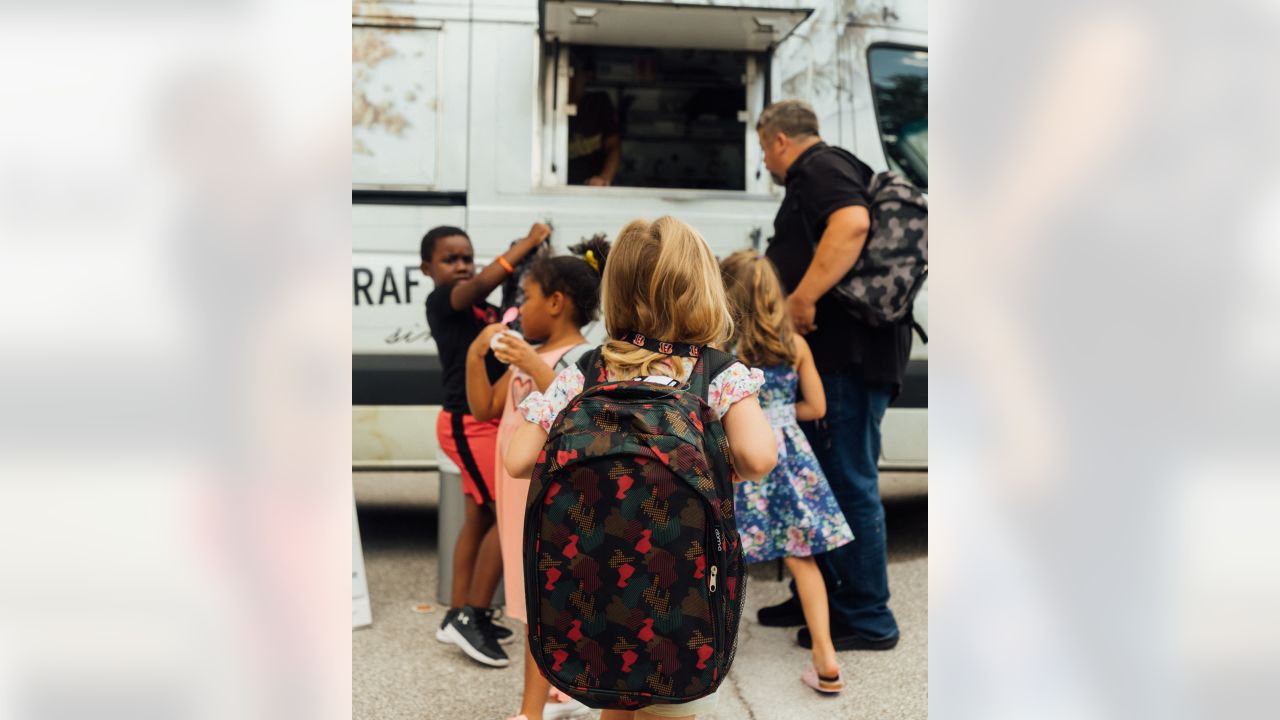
(792, 512)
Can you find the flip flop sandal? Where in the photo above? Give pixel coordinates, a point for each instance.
(822, 684)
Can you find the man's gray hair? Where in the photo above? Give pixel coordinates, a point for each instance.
(793, 118)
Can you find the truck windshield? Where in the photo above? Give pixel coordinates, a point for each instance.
(900, 83)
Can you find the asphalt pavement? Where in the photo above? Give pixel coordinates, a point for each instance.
(399, 670)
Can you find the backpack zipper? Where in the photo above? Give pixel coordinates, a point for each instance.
(715, 563)
(716, 602)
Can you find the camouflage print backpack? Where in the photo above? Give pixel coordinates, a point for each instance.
(634, 575)
(882, 286)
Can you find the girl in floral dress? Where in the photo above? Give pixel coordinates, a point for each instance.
(792, 513)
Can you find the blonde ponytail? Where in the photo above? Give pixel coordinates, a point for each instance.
(661, 280)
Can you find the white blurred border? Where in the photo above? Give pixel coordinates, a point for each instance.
(175, 374)
(1103, 360)
(174, 223)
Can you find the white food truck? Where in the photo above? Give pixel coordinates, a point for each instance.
(463, 113)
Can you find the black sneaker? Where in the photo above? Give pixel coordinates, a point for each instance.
(448, 616)
(787, 614)
(845, 638)
(503, 634)
(475, 638)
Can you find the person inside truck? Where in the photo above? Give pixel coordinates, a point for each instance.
(595, 146)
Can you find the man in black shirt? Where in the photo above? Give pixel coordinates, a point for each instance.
(818, 233)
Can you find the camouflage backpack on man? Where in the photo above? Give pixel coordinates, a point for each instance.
(634, 575)
(882, 286)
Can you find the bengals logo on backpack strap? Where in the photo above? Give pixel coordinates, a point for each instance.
(663, 347)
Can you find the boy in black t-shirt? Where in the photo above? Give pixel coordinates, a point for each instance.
(457, 312)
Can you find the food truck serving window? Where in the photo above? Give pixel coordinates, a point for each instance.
(655, 95)
(670, 118)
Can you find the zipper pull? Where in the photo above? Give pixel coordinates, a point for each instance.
(714, 569)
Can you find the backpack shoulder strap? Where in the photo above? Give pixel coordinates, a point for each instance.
(572, 356)
(854, 161)
(915, 325)
(859, 167)
(709, 366)
(592, 366)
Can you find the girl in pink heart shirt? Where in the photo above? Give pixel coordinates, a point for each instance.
(562, 295)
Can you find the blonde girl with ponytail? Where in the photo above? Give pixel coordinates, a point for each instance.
(662, 301)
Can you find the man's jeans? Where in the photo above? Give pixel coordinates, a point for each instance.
(847, 443)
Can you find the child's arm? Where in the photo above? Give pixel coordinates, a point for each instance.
(469, 292)
(486, 400)
(521, 354)
(751, 440)
(813, 405)
(539, 411)
(522, 453)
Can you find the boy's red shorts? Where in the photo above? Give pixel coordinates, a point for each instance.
(471, 445)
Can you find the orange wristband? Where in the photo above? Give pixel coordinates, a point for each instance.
(506, 265)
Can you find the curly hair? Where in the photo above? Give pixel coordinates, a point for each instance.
(763, 334)
(577, 278)
(428, 246)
